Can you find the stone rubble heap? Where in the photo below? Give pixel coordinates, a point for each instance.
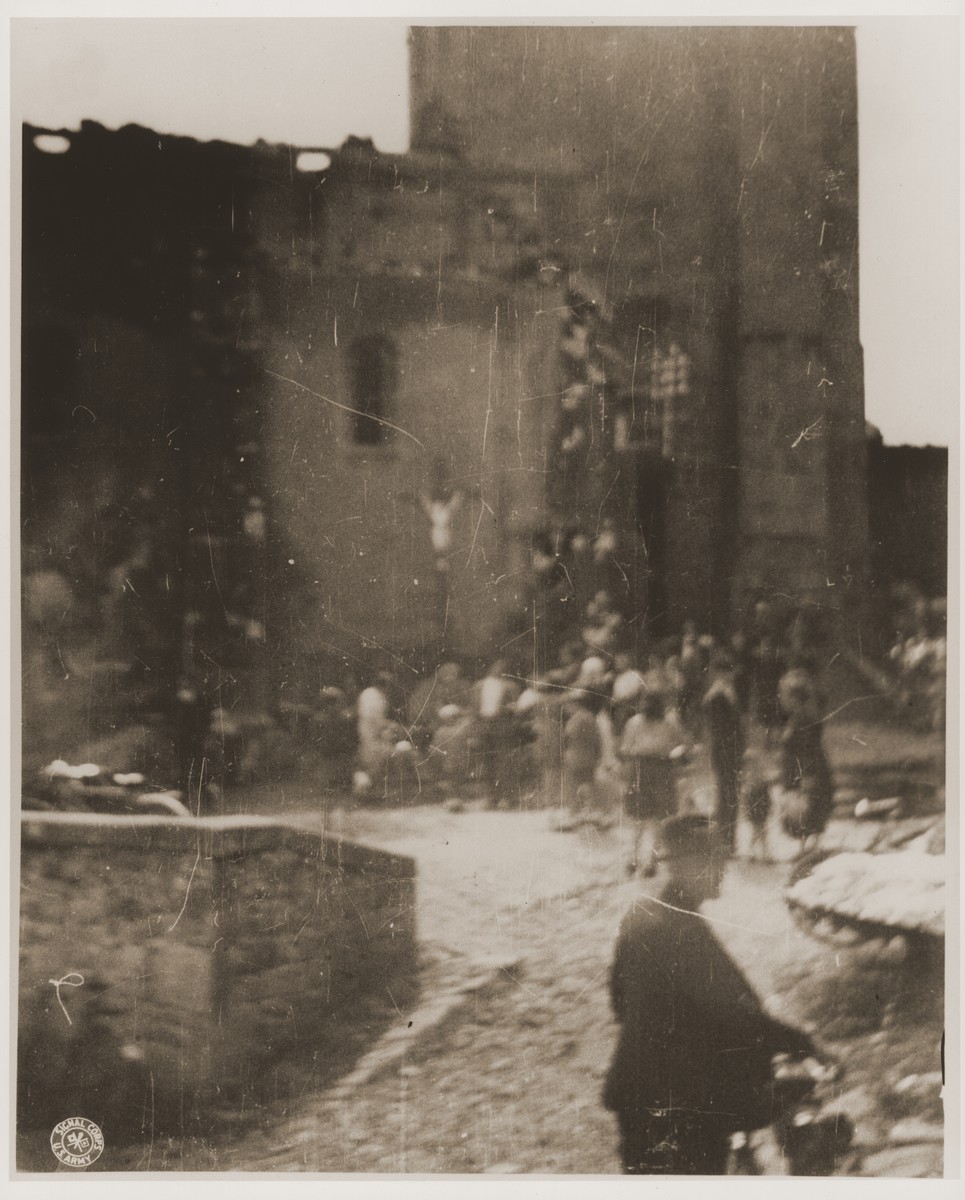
(904, 891)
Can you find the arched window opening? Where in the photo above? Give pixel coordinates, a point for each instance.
(375, 378)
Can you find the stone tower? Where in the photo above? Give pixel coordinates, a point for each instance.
(713, 209)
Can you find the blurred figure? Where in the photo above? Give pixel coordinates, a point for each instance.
(756, 803)
(445, 686)
(47, 604)
(799, 690)
(606, 568)
(401, 776)
(372, 712)
(568, 665)
(694, 1039)
(806, 778)
(766, 668)
(391, 769)
(766, 621)
(335, 734)
(628, 685)
(690, 666)
(725, 735)
(919, 657)
(548, 721)
(602, 625)
(741, 655)
(668, 676)
(659, 677)
(809, 630)
(527, 770)
(452, 742)
(496, 696)
(582, 746)
(594, 676)
(652, 740)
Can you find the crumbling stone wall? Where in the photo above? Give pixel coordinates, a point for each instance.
(166, 964)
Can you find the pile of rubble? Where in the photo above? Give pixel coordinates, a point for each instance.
(901, 890)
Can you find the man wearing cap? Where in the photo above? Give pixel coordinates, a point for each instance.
(694, 1039)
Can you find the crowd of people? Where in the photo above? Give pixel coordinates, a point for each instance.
(591, 721)
(603, 734)
(919, 656)
(595, 724)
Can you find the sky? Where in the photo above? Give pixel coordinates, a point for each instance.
(312, 82)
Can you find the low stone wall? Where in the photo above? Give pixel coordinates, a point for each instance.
(166, 964)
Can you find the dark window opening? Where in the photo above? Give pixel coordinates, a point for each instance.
(375, 374)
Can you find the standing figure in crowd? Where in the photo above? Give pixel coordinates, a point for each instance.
(444, 688)
(547, 749)
(756, 801)
(596, 679)
(690, 665)
(607, 568)
(653, 739)
(602, 625)
(582, 747)
(628, 685)
(336, 736)
(567, 665)
(452, 743)
(767, 667)
(496, 696)
(372, 709)
(379, 712)
(659, 675)
(805, 771)
(725, 733)
(694, 1040)
(740, 653)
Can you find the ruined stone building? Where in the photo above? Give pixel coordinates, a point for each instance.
(613, 286)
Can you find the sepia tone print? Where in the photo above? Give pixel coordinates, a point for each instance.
(483, 676)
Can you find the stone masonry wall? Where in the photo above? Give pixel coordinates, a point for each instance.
(166, 964)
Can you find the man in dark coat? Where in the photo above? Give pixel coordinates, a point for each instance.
(767, 667)
(695, 1046)
(725, 734)
(805, 771)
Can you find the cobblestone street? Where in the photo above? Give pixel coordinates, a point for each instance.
(498, 1067)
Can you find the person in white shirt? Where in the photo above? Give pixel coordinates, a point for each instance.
(496, 696)
(652, 741)
(372, 708)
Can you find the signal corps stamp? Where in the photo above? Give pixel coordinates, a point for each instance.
(77, 1142)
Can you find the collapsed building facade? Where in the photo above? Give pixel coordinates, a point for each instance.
(610, 295)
